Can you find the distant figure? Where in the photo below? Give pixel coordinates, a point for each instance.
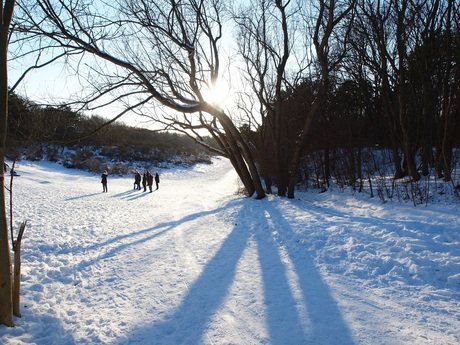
(157, 179)
(144, 181)
(104, 181)
(12, 172)
(137, 180)
(149, 180)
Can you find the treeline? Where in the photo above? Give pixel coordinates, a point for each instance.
(59, 134)
(390, 106)
(356, 135)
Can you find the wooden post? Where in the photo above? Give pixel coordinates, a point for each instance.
(17, 272)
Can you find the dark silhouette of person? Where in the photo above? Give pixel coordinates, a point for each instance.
(149, 180)
(104, 181)
(137, 180)
(157, 179)
(144, 181)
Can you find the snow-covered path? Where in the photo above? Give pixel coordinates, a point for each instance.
(194, 263)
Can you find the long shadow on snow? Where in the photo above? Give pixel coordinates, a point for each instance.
(286, 319)
(121, 242)
(188, 323)
(319, 316)
(312, 318)
(82, 196)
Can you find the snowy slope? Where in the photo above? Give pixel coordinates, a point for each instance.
(194, 263)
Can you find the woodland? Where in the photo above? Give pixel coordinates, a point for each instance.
(88, 143)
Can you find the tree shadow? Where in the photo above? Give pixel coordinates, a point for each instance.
(317, 318)
(119, 243)
(189, 321)
(409, 236)
(299, 306)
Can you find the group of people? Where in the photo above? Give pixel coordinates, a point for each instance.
(146, 179)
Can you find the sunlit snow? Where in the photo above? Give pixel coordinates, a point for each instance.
(196, 263)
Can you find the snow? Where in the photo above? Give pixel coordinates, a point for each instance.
(196, 263)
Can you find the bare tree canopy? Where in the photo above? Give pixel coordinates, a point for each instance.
(137, 52)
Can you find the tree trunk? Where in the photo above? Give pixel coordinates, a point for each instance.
(298, 149)
(405, 116)
(6, 285)
(360, 168)
(241, 151)
(6, 304)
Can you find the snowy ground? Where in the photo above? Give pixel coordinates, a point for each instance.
(194, 263)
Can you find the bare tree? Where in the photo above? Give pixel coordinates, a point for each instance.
(374, 41)
(266, 34)
(449, 79)
(6, 279)
(276, 64)
(168, 52)
(409, 47)
(144, 56)
(331, 31)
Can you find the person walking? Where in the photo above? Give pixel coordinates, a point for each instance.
(157, 179)
(137, 180)
(149, 180)
(104, 181)
(144, 181)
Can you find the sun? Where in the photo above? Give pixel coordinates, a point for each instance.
(219, 94)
